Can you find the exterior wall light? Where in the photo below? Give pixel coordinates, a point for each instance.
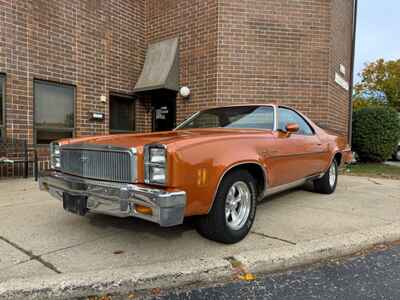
(184, 92)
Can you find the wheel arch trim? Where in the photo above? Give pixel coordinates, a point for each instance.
(332, 158)
(233, 166)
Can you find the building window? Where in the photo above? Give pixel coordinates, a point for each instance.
(2, 106)
(54, 111)
(122, 114)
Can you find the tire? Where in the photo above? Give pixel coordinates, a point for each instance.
(326, 185)
(219, 225)
(396, 156)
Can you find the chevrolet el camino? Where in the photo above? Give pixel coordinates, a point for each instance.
(215, 166)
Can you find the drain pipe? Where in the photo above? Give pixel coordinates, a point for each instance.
(353, 48)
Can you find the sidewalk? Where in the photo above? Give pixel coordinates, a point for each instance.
(393, 163)
(42, 246)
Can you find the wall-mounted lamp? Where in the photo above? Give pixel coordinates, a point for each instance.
(184, 92)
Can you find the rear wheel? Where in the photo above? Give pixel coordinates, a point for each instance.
(396, 156)
(327, 184)
(233, 212)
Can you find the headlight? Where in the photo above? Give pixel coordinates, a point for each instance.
(157, 155)
(155, 164)
(157, 175)
(55, 156)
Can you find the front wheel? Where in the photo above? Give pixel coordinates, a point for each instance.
(327, 183)
(232, 214)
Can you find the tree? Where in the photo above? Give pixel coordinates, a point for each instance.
(380, 80)
(360, 102)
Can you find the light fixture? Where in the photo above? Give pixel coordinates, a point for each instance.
(184, 92)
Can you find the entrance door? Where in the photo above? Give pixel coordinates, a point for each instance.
(164, 111)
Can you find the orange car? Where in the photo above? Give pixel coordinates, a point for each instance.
(216, 166)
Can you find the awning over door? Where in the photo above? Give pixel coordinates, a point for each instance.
(161, 67)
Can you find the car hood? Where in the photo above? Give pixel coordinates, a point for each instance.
(178, 137)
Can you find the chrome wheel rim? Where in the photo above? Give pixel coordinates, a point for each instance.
(398, 155)
(237, 205)
(332, 175)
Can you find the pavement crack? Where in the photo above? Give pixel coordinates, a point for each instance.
(31, 255)
(374, 181)
(78, 244)
(273, 237)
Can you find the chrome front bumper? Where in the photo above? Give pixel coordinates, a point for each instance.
(118, 199)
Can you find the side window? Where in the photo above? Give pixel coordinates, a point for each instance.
(289, 116)
(260, 118)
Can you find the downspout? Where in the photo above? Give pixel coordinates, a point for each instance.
(353, 47)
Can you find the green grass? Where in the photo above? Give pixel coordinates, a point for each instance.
(373, 170)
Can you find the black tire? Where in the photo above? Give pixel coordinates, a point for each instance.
(396, 155)
(323, 184)
(214, 226)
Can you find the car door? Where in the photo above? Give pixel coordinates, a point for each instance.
(292, 157)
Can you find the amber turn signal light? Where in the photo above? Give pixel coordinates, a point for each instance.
(143, 210)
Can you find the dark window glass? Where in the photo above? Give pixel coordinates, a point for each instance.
(122, 114)
(2, 106)
(257, 117)
(287, 116)
(54, 111)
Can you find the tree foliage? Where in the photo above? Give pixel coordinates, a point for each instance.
(376, 133)
(363, 102)
(380, 80)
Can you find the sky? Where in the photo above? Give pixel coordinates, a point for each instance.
(378, 32)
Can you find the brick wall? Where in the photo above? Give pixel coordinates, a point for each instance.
(256, 51)
(195, 23)
(340, 45)
(98, 46)
(231, 51)
(285, 52)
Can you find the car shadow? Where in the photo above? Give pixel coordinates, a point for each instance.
(136, 225)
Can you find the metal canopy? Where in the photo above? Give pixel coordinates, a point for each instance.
(161, 67)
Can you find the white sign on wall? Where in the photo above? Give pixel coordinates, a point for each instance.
(342, 69)
(341, 81)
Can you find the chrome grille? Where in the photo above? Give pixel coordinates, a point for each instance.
(99, 162)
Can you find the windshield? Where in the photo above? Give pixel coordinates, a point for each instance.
(258, 117)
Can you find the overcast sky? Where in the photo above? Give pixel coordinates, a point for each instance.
(378, 32)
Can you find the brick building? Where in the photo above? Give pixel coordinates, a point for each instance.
(89, 67)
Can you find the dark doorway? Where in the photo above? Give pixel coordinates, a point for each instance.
(164, 110)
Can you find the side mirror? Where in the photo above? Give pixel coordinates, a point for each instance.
(292, 128)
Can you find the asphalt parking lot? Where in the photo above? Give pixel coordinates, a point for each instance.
(38, 238)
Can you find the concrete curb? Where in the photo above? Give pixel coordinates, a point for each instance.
(174, 274)
(308, 252)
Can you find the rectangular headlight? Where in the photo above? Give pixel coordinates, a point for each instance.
(157, 174)
(55, 156)
(157, 155)
(156, 164)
